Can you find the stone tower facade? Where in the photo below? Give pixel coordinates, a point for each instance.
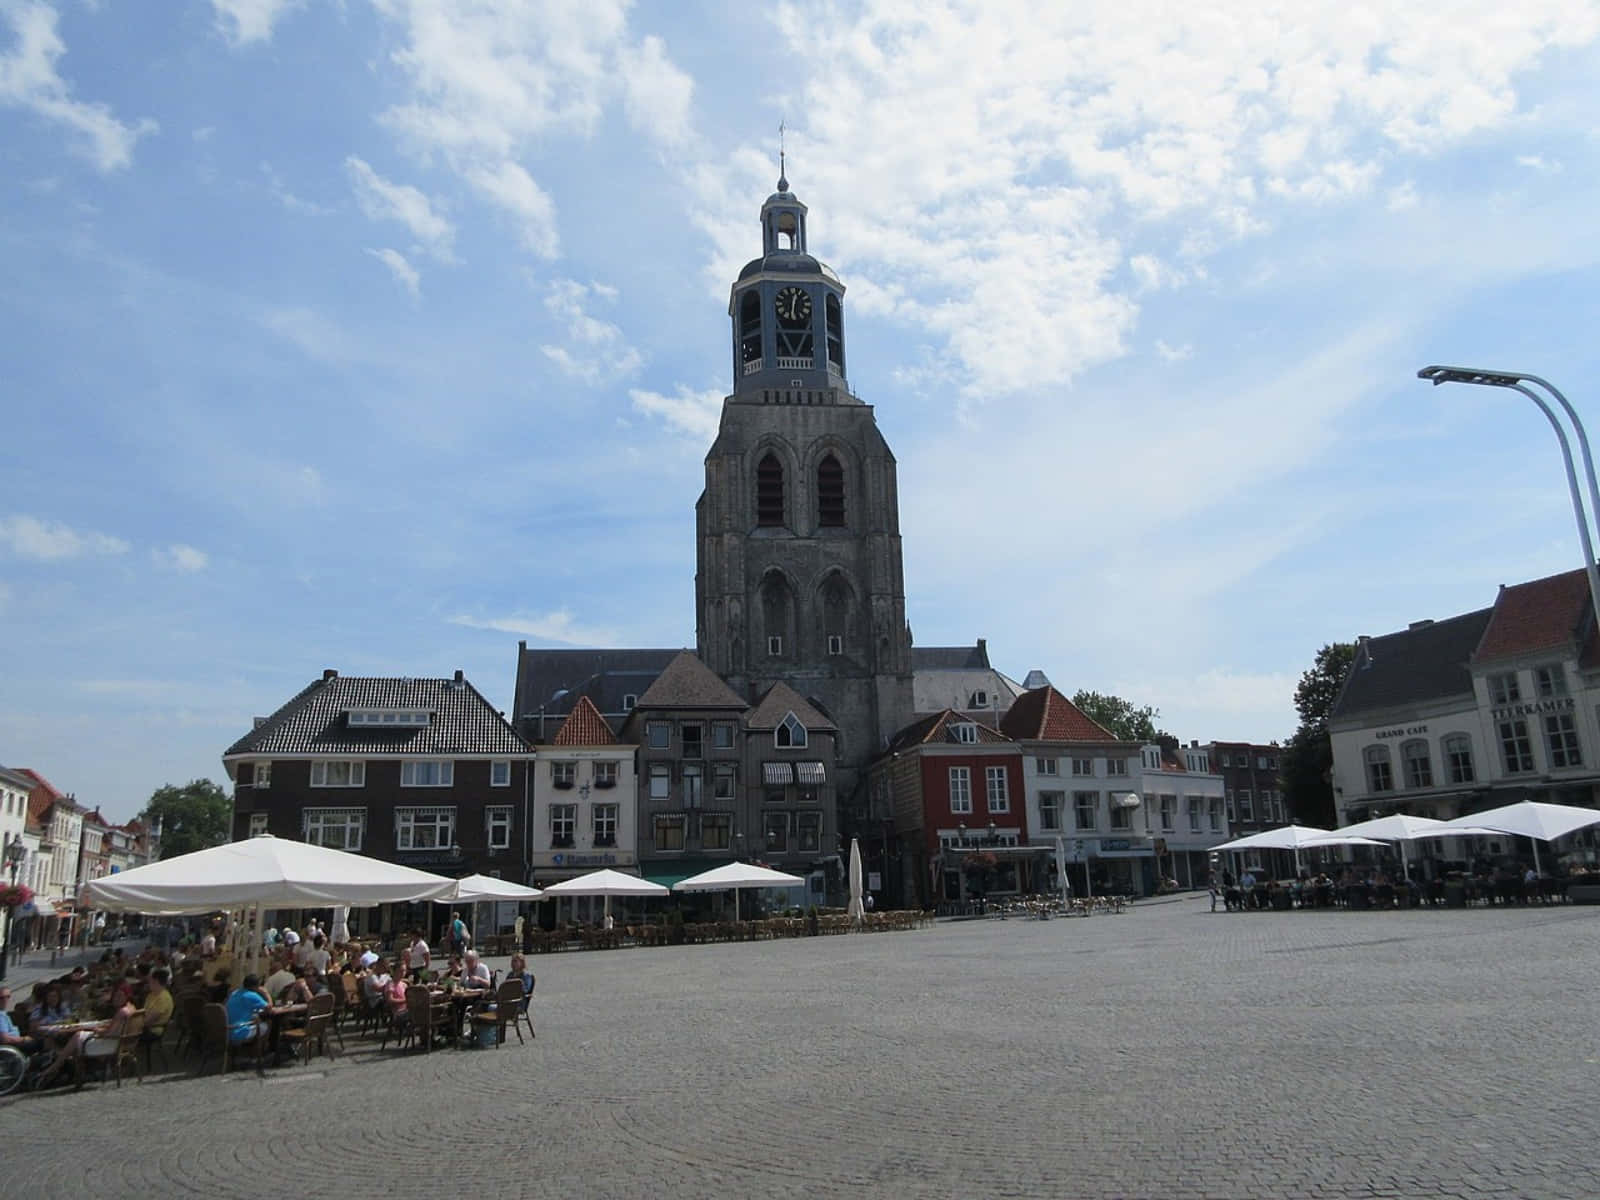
(799, 576)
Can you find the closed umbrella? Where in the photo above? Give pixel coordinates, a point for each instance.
(858, 910)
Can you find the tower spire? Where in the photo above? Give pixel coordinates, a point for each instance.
(783, 180)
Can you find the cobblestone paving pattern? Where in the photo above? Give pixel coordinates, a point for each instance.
(1163, 1053)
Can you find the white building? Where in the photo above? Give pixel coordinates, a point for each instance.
(584, 800)
(1446, 718)
(14, 789)
(1182, 809)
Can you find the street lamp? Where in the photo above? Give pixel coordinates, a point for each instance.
(15, 852)
(1517, 381)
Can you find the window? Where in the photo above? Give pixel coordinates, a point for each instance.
(1261, 762)
(775, 646)
(1561, 738)
(605, 774)
(693, 740)
(979, 700)
(722, 782)
(427, 772)
(1246, 809)
(835, 644)
(1550, 681)
(960, 789)
(338, 772)
(258, 821)
(336, 828)
(1516, 751)
(1216, 814)
(394, 718)
(996, 789)
(791, 735)
(716, 831)
(693, 785)
(1193, 803)
(497, 821)
(1151, 758)
(1503, 689)
(964, 731)
(1121, 814)
(500, 774)
(1230, 807)
(629, 701)
(1458, 757)
(669, 832)
(1169, 813)
(1083, 766)
(563, 774)
(830, 492)
(1050, 804)
(563, 825)
(777, 831)
(660, 781)
(605, 824)
(263, 774)
(1085, 807)
(1417, 763)
(769, 491)
(1116, 766)
(424, 828)
(722, 735)
(1380, 774)
(808, 831)
(658, 735)
(1047, 766)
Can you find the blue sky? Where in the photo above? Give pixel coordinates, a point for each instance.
(379, 335)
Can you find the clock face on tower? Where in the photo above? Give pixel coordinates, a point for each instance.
(793, 306)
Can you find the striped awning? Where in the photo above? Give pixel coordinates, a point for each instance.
(777, 772)
(811, 772)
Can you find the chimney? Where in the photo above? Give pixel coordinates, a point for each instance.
(1420, 624)
(329, 673)
(983, 649)
(460, 678)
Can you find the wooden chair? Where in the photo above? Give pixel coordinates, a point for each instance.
(190, 1010)
(154, 1040)
(525, 1006)
(314, 1033)
(214, 1026)
(507, 1011)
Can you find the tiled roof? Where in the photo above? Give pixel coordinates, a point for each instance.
(1422, 663)
(779, 702)
(689, 683)
(462, 721)
(1046, 715)
(1543, 614)
(950, 658)
(936, 729)
(552, 680)
(584, 726)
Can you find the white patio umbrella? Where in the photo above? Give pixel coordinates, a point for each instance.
(607, 883)
(737, 876)
(1295, 838)
(486, 887)
(858, 910)
(1530, 819)
(1403, 828)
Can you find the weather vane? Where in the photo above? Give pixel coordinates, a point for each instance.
(783, 174)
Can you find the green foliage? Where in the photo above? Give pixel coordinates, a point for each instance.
(1319, 687)
(1308, 757)
(1128, 723)
(192, 817)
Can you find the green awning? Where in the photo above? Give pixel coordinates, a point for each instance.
(667, 881)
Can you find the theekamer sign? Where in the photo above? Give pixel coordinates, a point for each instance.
(1534, 708)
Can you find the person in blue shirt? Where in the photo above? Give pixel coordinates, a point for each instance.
(458, 933)
(244, 1006)
(10, 1035)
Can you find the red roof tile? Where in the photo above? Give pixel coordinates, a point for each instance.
(1044, 714)
(584, 726)
(1544, 614)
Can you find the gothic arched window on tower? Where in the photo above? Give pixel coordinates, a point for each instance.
(835, 334)
(769, 491)
(830, 492)
(778, 615)
(750, 331)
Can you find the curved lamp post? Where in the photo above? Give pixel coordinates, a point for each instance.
(1518, 381)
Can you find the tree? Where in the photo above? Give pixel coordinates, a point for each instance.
(192, 817)
(1308, 758)
(1128, 723)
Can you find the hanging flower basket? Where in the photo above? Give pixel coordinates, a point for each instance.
(14, 895)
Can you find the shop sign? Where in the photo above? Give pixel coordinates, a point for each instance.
(579, 860)
(1555, 704)
(1109, 844)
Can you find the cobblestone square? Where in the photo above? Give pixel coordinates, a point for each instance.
(1166, 1052)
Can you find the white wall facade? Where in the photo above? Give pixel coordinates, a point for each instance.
(552, 862)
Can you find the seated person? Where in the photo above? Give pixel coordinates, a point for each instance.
(395, 994)
(475, 972)
(280, 980)
(101, 1043)
(299, 990)
(10, 1035)
(244, 1005)
(52, 1010)
(318, 958)
(453, 968)
(374, 983)
(157, 1005)
(217, 991)
(519, 971)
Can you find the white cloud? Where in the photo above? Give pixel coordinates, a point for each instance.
(595, 349)
(182, 558)
(1174, 353)
(382, 200)
(204, 133)
(508, 185)
(404, 273)
(315, 335)
(550, 627)
(656, 94)
(1538, 162)
(28, 80)
(244, 21)
(691, 413)
(288, 199)
(47, 541)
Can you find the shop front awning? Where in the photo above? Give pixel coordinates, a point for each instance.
(810, 772)
(777, 773)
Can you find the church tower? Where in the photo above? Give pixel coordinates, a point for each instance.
(799, 577)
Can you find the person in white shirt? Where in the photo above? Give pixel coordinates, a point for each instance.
(278, 982)
(317, 958)
(475, 972)
(374, 982)
(419, 956)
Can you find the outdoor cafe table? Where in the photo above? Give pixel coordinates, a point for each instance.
(461, 999)
(277, 1015)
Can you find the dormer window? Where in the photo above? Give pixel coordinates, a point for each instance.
(629, 701)
(979, 700)
(389, 718)
(791, 734)
(964, 731)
